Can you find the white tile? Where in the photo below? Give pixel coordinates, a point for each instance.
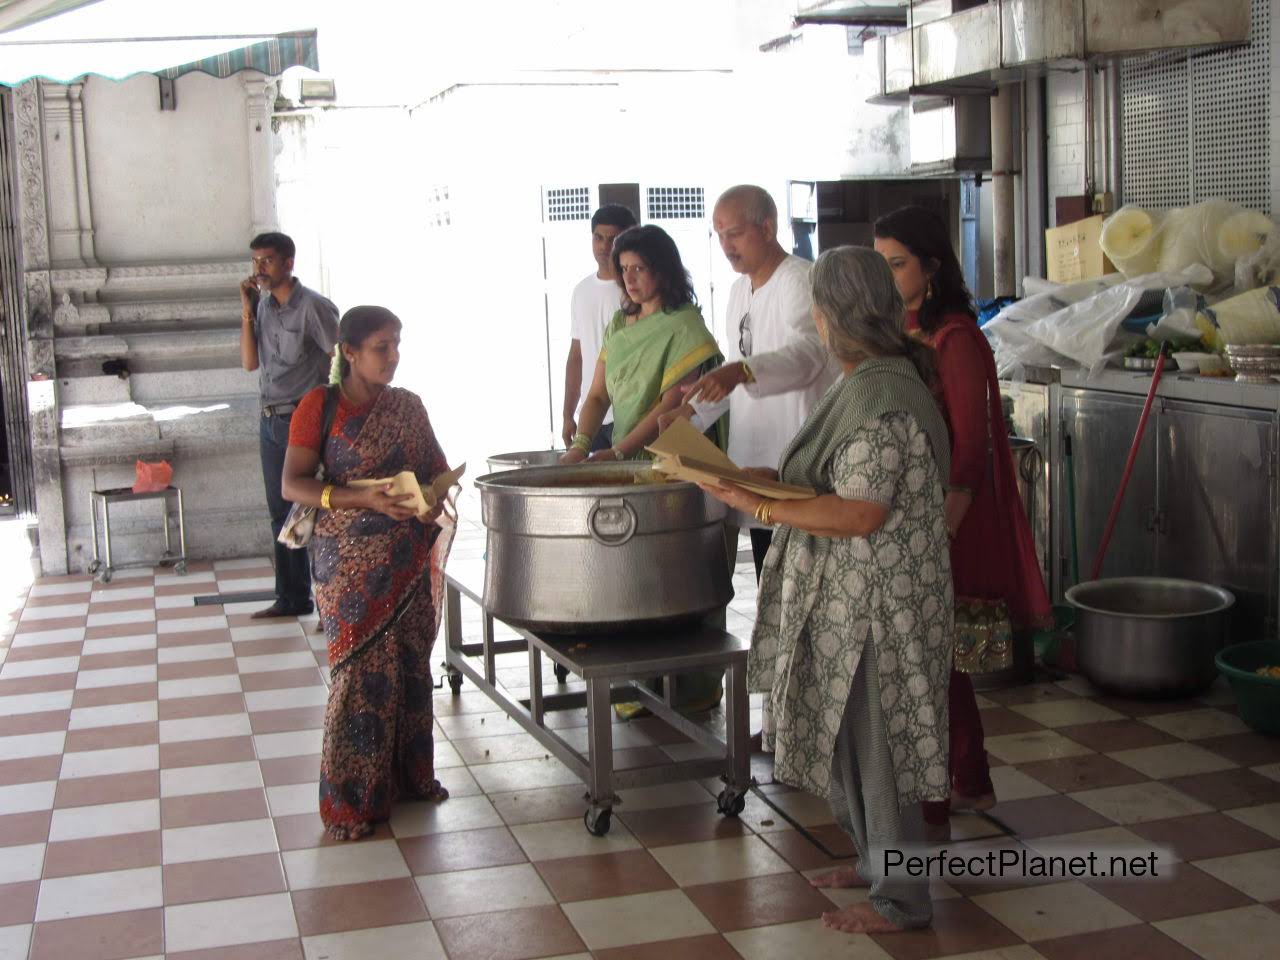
(1012, 784)
(265, 631)
(1265, 817)
(26, 797)
(350, 863)
(76, 588)
(1255, 874)
(134, 573)
(141, 641)
(523, 775)
(225, 923)
(199, 580)
(404, 941)
(245, 584)
(96, 893)
(1172, 760)
(42, 638)
(457, 813)
(14, 941)
(199, 687)
(805, 940)
(293, 798)
(1140, 802)
(241, 563)
(195, 652)
(639, 918)
(121, 616)
(299, 743)
(1063, 713)
(189, 624)
(288, 699)
(23, 863)
(211, 778)
(1054, 910)
(1246, 933)
(99, 763)
(115, 677)
(1034, 745)
(113, 715)
(1198, 724)
(205, 728)
(498, 888)
(32, 745)
(32, 614)
(39, 668)
(125, 593)
(35, 703)
(105, 820)
(555, 839)
(219, 841)
(174, 601)
(276, 661)
(715, 861)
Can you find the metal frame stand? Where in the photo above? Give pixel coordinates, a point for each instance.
(608, 664)
(126, 495)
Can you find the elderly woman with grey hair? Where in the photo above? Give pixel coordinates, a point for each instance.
(853, 633)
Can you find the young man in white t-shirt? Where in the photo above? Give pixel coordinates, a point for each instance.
(595, 300)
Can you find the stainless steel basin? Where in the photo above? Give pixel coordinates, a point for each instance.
(524, 458)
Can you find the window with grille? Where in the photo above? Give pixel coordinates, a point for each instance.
(676, 203)
(1198, 124)
(567, 203)
(439, 211)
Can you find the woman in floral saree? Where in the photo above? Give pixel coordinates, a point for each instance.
(378, 575)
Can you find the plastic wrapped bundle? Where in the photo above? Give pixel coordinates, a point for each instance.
(1251, 318)
(1131, 240)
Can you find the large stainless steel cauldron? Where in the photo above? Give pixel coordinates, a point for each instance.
(587, 549)
(1150, 636)
(524, 458)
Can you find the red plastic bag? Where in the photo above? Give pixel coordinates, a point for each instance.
(152, 477)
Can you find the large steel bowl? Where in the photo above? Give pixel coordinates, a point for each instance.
(601, 547)
(1150, 636)
(524, 458)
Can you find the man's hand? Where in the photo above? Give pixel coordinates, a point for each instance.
(249, 292)
(682, 412)
(567, 431)
(718, 384)
(574, 455)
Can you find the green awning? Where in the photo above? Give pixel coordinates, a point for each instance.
(272, 57)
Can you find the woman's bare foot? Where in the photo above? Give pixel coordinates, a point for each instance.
(984, 801)
(842, 878)
(348, 831)
(859, 918)
(436, 793)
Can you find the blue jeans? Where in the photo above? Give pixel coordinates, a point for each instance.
(293, 570)
(604, 438)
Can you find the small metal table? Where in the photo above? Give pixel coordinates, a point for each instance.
(126, 495)
(608, 663)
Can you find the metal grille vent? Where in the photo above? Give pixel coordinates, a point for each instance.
(1198, 125)
(568, 203)
(676, 203)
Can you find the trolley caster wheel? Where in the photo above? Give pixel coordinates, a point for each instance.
(180, 568)
(93, 567)
(597, 820)
(730, 803)
(455, 682)
(104, 576)
(562, 673)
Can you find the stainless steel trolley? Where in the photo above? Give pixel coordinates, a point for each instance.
(102, 570)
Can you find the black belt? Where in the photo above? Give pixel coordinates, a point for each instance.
(278, 409)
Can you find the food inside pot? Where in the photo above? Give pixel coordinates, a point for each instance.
(642, 477)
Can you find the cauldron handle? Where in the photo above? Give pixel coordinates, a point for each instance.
(612, 522)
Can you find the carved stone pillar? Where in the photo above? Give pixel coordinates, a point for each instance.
(260, 94)
(70, 216)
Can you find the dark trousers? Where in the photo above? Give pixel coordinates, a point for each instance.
(293, 571)
(604, 438)
(970, 771)
(760, 540)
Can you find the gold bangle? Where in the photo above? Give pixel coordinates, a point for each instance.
(746, 372)
(766, 513)
(581, 442)
(325, 494)
(618, 454)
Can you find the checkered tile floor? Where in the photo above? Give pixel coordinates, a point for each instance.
(158, 768)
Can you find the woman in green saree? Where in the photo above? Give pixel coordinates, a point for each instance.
(655, 344)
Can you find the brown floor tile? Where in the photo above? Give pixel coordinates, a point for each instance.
(109, 738)
(1046, 816)
(711, 947)
(1246, 749)
(192, 590)
(186, 613)
(275, 950)
(1028, 693)
(758, 901)
(660, 828)
(1203, 836)
(281, 679)
(1113, 735)
(29, 770)
(46, 651)
(125, 658)
(1087, 772)
(357, 906)
(1190, 891)
(54, 600)
(188, 670)
(304, 831)
(193, 638)
(998, 721)
(548, 803)
(959, 926)
(113, 788)
(271, 645)
(69, 858)
(223, 879)
(510, 935)
(799, 851)
(1138, 942)
(283, 721)
(197, 753)
(205, 808)
(44, 722)
(629, 758)
(47, 684)
(120, 630)
(18, 902)
(55, 623)
(247, 620)
(604, 875)
(112, 936)
(215, 705)
(463, 850)
(110, 696)
(1228, 789)
(661, 733)
(286, 770)
(1147, 708)
(31, 827)
(123, 606)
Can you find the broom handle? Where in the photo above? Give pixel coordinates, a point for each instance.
(1128, 466)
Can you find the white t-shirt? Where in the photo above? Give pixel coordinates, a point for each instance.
(592, 306)
(791, 366)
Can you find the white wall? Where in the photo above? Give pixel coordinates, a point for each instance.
(168, 185)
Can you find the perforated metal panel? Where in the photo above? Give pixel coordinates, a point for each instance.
(1198, 124)
(568, 203)
(675, 203)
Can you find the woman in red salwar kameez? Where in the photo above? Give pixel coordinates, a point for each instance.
(992, 551)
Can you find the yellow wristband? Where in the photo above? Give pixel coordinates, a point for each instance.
(746, 372)
(325, 494)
